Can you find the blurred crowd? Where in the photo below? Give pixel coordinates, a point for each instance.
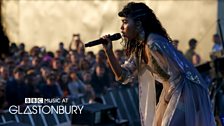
(64, 73)
(68, 72)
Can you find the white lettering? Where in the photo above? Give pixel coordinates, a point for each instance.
(46, 109)
(64, 100)
(80, 109)
(49, 109)
(61, 109)
(27, 110)
(13, 111)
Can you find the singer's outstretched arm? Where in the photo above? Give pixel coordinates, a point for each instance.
(113, 62)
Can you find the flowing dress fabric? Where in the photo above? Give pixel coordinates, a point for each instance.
(147, 94)
(187, 100)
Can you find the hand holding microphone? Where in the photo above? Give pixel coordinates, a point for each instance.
(107, 46)
(104, 40)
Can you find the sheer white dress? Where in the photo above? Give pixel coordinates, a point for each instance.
(184, 100)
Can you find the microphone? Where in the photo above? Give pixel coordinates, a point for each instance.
(100, 41)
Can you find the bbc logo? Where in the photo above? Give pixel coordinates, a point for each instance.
(34, 100)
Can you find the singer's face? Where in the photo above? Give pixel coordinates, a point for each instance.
(128, 28)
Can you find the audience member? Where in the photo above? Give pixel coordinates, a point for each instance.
(190, 54)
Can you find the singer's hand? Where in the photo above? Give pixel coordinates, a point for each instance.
(108, 47)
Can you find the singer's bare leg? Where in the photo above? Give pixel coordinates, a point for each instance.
(161, 107)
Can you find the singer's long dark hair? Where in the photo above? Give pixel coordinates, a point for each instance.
(150, 23)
